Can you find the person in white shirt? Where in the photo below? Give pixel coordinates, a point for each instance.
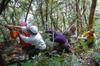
(35, 39)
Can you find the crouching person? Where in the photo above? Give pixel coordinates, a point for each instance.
(35, 39)
(60, 42)
(89, 38)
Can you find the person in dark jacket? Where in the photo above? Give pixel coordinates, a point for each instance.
(60, 42)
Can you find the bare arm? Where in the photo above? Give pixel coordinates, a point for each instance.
(13, 26)
(82, 37)
(26, 39)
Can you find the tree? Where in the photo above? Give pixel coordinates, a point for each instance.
(91, 16)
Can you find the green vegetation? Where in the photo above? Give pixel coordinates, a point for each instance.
(58, 15)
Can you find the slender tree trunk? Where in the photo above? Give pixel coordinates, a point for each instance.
(46, 16)
(84, 6)
(64, 22)
(79, 20)
(28, 9)
(41, 13)
(84, 10)
(91, 16)
(51, 17)
(46, 11)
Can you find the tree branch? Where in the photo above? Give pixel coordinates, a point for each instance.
(28, 10)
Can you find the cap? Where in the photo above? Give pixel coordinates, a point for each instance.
(33, 29)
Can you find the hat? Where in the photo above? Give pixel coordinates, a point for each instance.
(22, 23)
(33, 29)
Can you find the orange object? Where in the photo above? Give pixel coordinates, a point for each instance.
(14, 34)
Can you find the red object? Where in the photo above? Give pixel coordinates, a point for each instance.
(14, 34)
(25, 43)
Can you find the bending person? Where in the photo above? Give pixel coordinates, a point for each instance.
(60, 42)
(35, 39)
(89, 37)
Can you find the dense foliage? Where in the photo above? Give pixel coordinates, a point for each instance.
(58, 15)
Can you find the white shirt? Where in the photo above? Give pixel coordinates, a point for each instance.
(36, 40)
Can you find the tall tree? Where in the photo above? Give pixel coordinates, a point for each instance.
(79, 18)
(91, 16)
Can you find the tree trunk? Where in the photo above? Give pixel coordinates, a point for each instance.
(79, 20)
(41, 13)
(46, 16)
(91, 16)
(28, 9)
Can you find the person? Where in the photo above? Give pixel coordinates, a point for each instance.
(71, 33)
(60, 42)
(16, 32)
(72, 30)
(35, 39)
(89, 37)
(23, 25)
(22, 28)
